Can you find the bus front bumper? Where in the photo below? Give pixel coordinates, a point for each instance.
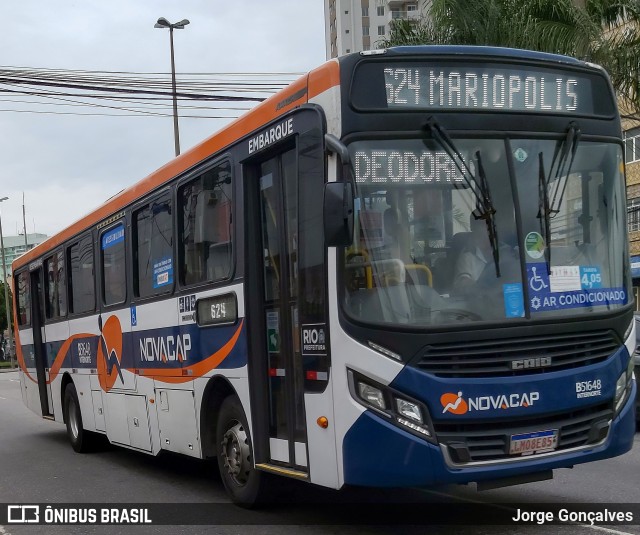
(377, 453)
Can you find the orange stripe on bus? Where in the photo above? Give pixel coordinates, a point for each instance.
(324, 78)
(164, 375)
(57, 363)
(200, 368)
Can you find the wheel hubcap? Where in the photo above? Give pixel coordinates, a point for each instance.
(236, 454)
(73, 419)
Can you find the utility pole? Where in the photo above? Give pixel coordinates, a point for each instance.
(24, 225)
(6, 290)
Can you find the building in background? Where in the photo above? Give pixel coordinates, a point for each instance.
(14, 246)
(631, 134)
(356, 25)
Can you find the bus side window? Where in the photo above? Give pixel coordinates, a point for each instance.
(82, 294)
(205, 226)
(24, 299)
(113, 265)
(54, 288)
(153, 248)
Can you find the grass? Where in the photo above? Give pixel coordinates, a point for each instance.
(7, 364)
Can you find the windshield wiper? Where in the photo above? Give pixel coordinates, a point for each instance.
(441, 137)
(544, 212)
(566, 149)
(564, 154)
(488, 213)
(479, 186)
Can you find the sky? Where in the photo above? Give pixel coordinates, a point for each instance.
(67, 165)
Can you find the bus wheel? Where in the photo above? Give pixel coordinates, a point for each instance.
(79, 438)
(242, 481)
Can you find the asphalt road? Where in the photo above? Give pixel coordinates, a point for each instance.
(37, 465)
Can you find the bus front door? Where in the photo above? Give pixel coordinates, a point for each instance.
(39, 341)
(280, 363)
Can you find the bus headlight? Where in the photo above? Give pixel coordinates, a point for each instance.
(407, 413)
(623, 385)
(371, 395)
(408, 409)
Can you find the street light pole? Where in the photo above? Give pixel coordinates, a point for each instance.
(164, 23)
(24, 226)
(6, 289)
(176, 132)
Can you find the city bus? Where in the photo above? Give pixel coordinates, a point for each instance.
(408, 268)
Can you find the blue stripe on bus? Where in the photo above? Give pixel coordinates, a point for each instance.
(204, 342)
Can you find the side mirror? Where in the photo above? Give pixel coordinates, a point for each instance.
(338, 214)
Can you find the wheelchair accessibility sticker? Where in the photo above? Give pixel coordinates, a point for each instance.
(569, 287)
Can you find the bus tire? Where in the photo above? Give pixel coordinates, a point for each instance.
(243, 483)
(79, 438)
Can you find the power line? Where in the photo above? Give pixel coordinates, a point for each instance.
(9, 81)
(211, 81)
(115, 114)
(208, 74)
(144, 104)
(136, 94)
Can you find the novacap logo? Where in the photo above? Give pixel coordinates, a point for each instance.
(456, 404)
(110, 354)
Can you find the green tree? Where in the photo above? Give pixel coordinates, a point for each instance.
(3, 308)
(606, 32)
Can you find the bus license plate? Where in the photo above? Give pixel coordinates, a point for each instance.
(536, 442)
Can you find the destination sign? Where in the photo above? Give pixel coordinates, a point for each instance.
(480, 87)
(406, 167)
(408, 162)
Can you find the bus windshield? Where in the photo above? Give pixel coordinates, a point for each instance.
(427, 252)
